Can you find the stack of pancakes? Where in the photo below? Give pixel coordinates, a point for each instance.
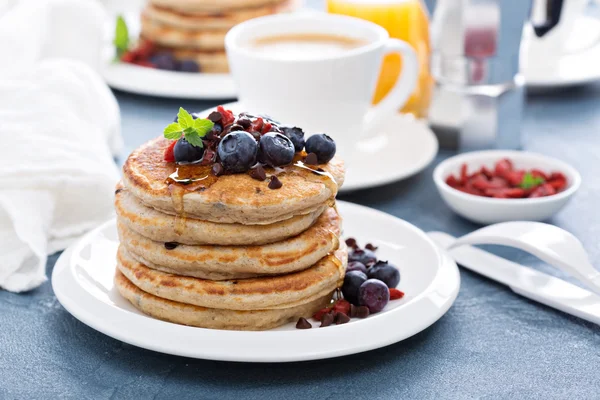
(227, 252)
(195, 29)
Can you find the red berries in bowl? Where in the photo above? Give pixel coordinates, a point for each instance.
(505, 185)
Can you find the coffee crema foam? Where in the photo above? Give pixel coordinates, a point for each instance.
(304, 46)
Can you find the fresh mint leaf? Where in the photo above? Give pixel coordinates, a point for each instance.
(173, 131)
(529, 181)
(203, 126)
(121, 39)
(193, 138)
(184, 119)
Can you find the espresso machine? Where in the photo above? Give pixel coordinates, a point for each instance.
(479, 95)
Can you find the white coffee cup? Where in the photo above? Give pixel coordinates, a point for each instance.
(330, 94)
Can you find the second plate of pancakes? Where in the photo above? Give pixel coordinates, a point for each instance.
(189, 30)
(83, 281)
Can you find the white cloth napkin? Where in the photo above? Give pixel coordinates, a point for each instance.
(59, 131)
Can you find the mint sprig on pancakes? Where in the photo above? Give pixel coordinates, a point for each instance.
(192, 129)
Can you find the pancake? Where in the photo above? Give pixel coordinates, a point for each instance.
(283, 291)
(165, 35)
(235, 198)
(162, 227)
(234, 262)
(201, 21)
(211, 6)
(186, 314)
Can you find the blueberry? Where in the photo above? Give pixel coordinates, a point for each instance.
(367, 257)
(164, 61)
(184, 152)
(373, 294)
(352, 283)
(237, 151)
(356, 266)
(189, 66)
(296, 135)
(386, 273)
(275, 149)
(322, 145)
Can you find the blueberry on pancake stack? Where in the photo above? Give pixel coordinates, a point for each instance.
(195, 29)
(229, 222)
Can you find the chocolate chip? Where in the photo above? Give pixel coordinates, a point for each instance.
(244, 122)
(275, 183)
(353, 309)
(217, 169)
(362, 312)
(326, 320)
(258, 173)
(303, 324)
(215, 116)
(311, 159)
(171, 245)
(351, 242)
(119, 190)
(341, 318)
(371, 247)
(236, 127)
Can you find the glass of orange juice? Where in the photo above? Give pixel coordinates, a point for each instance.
(403, 19)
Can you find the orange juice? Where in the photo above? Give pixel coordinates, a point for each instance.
(403, 19)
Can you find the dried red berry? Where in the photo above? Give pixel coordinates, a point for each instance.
(319, 314)
(342, 306)
(168, 155)
(227, 116)
(396, 294)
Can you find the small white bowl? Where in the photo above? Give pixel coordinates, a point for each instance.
(485, 210)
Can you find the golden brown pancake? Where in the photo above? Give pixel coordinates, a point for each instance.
(165, 35)
(235, 198)
(283, 291)
(213, 318)
(234, 262)
(202, 21)
(213, 6)
(162, 227)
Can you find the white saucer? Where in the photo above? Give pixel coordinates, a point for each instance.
(404, 147)
(156, 82)
(83, 283)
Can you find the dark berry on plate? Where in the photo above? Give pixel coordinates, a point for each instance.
(189, 66)
(367, 257)
(373, 294)
(356, 266)
(352, 283)
(184, 152)
(386, 273)
(296, 135)
(237, 151)
(275, 150)
(164, 61)
(322, 145)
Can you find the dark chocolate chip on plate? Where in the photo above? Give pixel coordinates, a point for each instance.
(311, 159)
(326, 320)
(275, 183)
(371, 247)
(303, 324)
(215, 116)
(258, 173)
(351, 242)
(341, 318)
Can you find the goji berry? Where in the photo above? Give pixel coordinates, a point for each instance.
(396, 294)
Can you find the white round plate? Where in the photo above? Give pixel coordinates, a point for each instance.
(156, 82)
(83, 283)
(403, 147)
